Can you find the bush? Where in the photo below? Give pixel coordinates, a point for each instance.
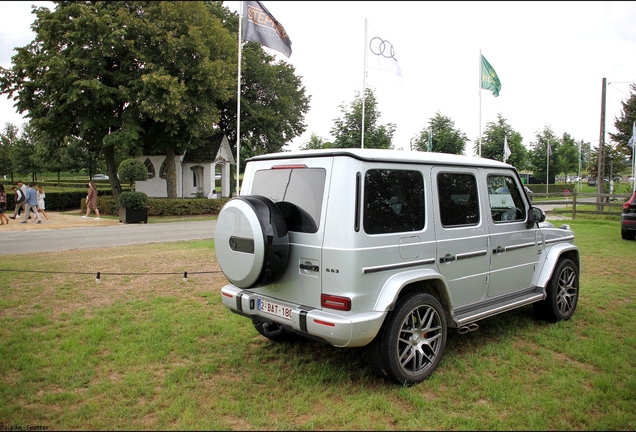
(134, 200)
(132, 170)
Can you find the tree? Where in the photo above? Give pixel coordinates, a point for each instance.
(117, 75)
(492, 143)
(347, 129)
(315, 142)
(8, 139)
(446, 139)
(624, 125)
(132, 170)
(538, 154)
(568, 155)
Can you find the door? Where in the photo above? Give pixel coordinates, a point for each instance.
(298, 188)
(514, 246)
(462, 234)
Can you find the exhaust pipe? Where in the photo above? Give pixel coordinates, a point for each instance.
(467, 328)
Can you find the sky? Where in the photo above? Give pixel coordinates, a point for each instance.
(551, 58)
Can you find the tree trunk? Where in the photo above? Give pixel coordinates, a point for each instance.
(111, 169)
(171, 174)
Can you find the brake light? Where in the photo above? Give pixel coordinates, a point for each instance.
(335, 302)
(277, 167)
(629, 202)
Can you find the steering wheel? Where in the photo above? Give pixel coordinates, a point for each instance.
(509, 215)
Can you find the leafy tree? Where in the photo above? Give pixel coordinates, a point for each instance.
(119, 74)
(347, 129)
(315, 142)
(624, 125)
(132, 170)
(538, 154)
(568, 155)
(492, 143)
(8, 139)
(446, 139)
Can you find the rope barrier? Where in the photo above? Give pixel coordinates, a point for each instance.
(98, 276)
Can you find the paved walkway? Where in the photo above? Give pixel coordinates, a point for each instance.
(67, 232)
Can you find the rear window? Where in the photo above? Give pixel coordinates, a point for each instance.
(297, 192)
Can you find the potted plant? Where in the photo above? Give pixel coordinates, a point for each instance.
(133, 207)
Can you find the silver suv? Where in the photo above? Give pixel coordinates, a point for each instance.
(388, 250)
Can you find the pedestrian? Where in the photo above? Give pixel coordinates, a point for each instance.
(41, 196)
(212, 195)
(91, 200)
(23, 188)
(3, 205)
(20, 198)
(31, 204)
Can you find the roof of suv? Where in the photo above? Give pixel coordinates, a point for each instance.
(382, 155)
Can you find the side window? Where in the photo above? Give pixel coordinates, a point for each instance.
(506, 204)
(458, 199)
(393, 201)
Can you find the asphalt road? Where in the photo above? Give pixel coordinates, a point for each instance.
(24, 242)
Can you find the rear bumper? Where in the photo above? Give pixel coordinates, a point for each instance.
(628, 221)
(338, 330)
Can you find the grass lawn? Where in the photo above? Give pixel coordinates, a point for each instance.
(144, 350)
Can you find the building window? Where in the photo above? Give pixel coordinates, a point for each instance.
(150, 167)
(162, 171)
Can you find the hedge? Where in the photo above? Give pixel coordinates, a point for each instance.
(164, 207)
(71, 200)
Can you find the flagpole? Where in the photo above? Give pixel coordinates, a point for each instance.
(547, 170)
(479, 82)
(364, 80)
(238, 99)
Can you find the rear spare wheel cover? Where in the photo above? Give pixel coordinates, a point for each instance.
(251, 241)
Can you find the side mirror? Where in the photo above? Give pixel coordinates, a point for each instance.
(535, 215)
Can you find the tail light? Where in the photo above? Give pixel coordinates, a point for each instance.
(335, 302)
(629, 202)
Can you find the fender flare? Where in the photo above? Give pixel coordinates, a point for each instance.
(550, 262)
(396, 283)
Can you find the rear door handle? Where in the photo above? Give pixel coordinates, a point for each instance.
(310, 267)
(499, 250)
(447, 258)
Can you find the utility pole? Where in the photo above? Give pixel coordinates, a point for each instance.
(601, 151)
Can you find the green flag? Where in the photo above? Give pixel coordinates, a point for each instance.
(489, 79)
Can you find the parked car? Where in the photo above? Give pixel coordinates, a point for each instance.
(591, 181)
(100, 177)
(628, 219)
(217, 176)
(388, 250)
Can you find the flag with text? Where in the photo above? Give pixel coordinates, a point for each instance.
(260, 26)
(489, 79)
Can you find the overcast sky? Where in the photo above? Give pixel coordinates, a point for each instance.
(551, 58)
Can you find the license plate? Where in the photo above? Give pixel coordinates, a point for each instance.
(275, 309)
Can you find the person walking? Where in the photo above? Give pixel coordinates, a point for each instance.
(20, 199)
(3, 205)
(23, 188)
(41, 196)
(91, 200)
(31, 204)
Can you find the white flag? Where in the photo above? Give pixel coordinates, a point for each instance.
(506, 149)
(381, 53)
(632, 140)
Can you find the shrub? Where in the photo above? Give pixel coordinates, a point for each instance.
(134, 200)
(132, 170)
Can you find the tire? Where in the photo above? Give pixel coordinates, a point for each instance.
(562, 293)
(274, 332)
(411, 342)
(627, 235)
(251, 241)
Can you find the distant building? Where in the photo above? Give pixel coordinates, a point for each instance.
(195, 171)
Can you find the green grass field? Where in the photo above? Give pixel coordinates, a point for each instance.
(144, 350)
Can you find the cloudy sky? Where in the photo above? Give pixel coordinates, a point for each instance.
(551, 58)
